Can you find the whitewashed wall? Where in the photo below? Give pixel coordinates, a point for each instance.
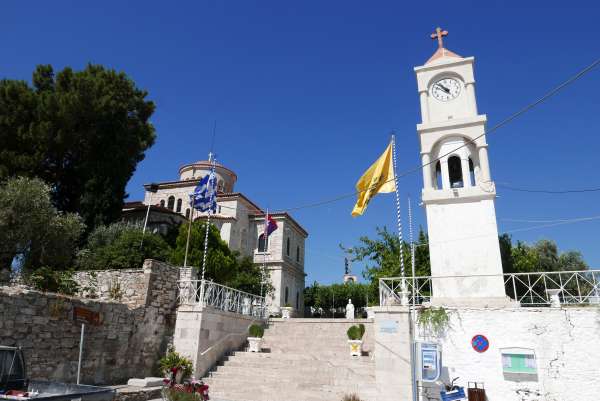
(566, 343)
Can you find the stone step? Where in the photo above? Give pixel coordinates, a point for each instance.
(270, 394)
(316, 375)
(290, 356)
(231, 380)
(274, 363)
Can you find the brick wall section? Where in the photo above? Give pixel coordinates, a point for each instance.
(132, 335)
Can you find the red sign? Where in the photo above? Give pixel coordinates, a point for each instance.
(86, 316)
(480, 343)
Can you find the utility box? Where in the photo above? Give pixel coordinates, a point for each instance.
(429, 358)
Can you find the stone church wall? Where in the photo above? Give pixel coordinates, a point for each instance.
(128, 341)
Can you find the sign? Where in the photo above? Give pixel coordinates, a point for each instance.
(86, 316)
(480, 343)
(430, 361)
(388, 326)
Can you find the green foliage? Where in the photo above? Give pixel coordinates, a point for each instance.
(82, 132)
(433, 319)
(337, 295)
(222, 265)
(117, 246)
(542, 256)
(175, 360)
(32, 230)
(256, 330)
(49, 280)
(356, 332)
(178, 395)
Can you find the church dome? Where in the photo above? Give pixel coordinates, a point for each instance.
(226, 178)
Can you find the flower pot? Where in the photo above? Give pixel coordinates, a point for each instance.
(355, 347)
(370, 312)
(286, 312)
(254, 344)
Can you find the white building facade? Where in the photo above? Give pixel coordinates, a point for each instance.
(241, 225)
(458, 192)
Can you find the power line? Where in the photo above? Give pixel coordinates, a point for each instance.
(547, 191)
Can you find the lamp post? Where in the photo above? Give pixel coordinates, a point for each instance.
(152, 188)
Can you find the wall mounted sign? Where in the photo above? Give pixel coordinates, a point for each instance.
(480, 343)
(388, 326)
(86, 316)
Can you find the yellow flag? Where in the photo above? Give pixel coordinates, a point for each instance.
(378, 178)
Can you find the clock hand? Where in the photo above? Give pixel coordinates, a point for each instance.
(444, 88)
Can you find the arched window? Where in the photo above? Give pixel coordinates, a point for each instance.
(287, 293)
(187, 213)
(297, 300)
(171, 203)
(438, 176)
(455, 172)
(262, 244)
(471, 172)
(297, 254)
(287, 246)
(179, 205)
(162, 203)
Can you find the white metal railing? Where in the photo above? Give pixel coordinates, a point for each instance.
(192, 292)
(540, 288)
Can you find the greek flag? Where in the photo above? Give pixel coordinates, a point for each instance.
(204, 196)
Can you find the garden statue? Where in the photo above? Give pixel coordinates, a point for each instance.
(349, 310)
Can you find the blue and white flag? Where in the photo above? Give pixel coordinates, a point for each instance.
(204, 196)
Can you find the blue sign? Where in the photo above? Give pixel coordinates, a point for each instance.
(480, 343)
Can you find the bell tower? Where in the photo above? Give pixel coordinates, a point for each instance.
(458, 192)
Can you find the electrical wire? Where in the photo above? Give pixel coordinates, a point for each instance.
(547, 191)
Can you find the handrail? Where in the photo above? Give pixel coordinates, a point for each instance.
(579, 287)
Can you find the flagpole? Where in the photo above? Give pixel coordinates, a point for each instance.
(266, 242)
(413, 315)
(404, 299)
(211, 159)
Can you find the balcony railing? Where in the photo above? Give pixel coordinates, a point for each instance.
(533, 289)
(208, 293)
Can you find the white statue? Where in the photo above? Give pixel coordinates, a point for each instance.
(349, 310)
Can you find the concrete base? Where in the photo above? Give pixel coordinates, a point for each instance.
(146, 382)
(482, 302)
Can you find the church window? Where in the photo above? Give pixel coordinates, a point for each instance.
(187, 213)
(297, 300)
(287, 293)
(438, 176)
(162, 203)
(287, 246)
(171, 203)
(262, 244)
(179, 205)
(455, 172)
(297, 254)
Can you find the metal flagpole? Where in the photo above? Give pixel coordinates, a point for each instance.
(211, 179)
(152, 189)
(404, 300)
(413, 343)
(264, 267)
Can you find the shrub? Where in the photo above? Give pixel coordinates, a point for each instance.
(361, 330)
(434, 319)
(174, 360)
(48, 280)
(354, 333)
(256, 331)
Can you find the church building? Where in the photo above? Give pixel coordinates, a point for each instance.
(241, 223)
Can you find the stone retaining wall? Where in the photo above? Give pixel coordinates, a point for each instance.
(132, 335)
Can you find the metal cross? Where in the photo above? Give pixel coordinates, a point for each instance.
(439, 34)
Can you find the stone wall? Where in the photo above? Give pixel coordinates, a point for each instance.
(132, 335)
(563, 340)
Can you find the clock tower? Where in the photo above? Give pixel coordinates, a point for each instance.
(458, 192)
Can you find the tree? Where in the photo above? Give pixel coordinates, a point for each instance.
(32, 230)
(223, 265)
(117, 246)
(81, 132)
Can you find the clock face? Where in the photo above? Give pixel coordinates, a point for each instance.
(445, 89)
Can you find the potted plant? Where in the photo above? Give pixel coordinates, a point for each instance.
(287, 311)
(256, 333)
(355, 335)
(175, 366)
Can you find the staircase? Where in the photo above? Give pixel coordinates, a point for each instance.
(303, 360)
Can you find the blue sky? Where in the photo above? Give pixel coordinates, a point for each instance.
(305, 95)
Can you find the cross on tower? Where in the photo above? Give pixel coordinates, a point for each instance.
(439, 34)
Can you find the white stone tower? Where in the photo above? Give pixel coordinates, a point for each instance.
(458, 193)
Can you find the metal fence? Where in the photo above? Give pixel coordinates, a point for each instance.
(208, 293)
(534, 289)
